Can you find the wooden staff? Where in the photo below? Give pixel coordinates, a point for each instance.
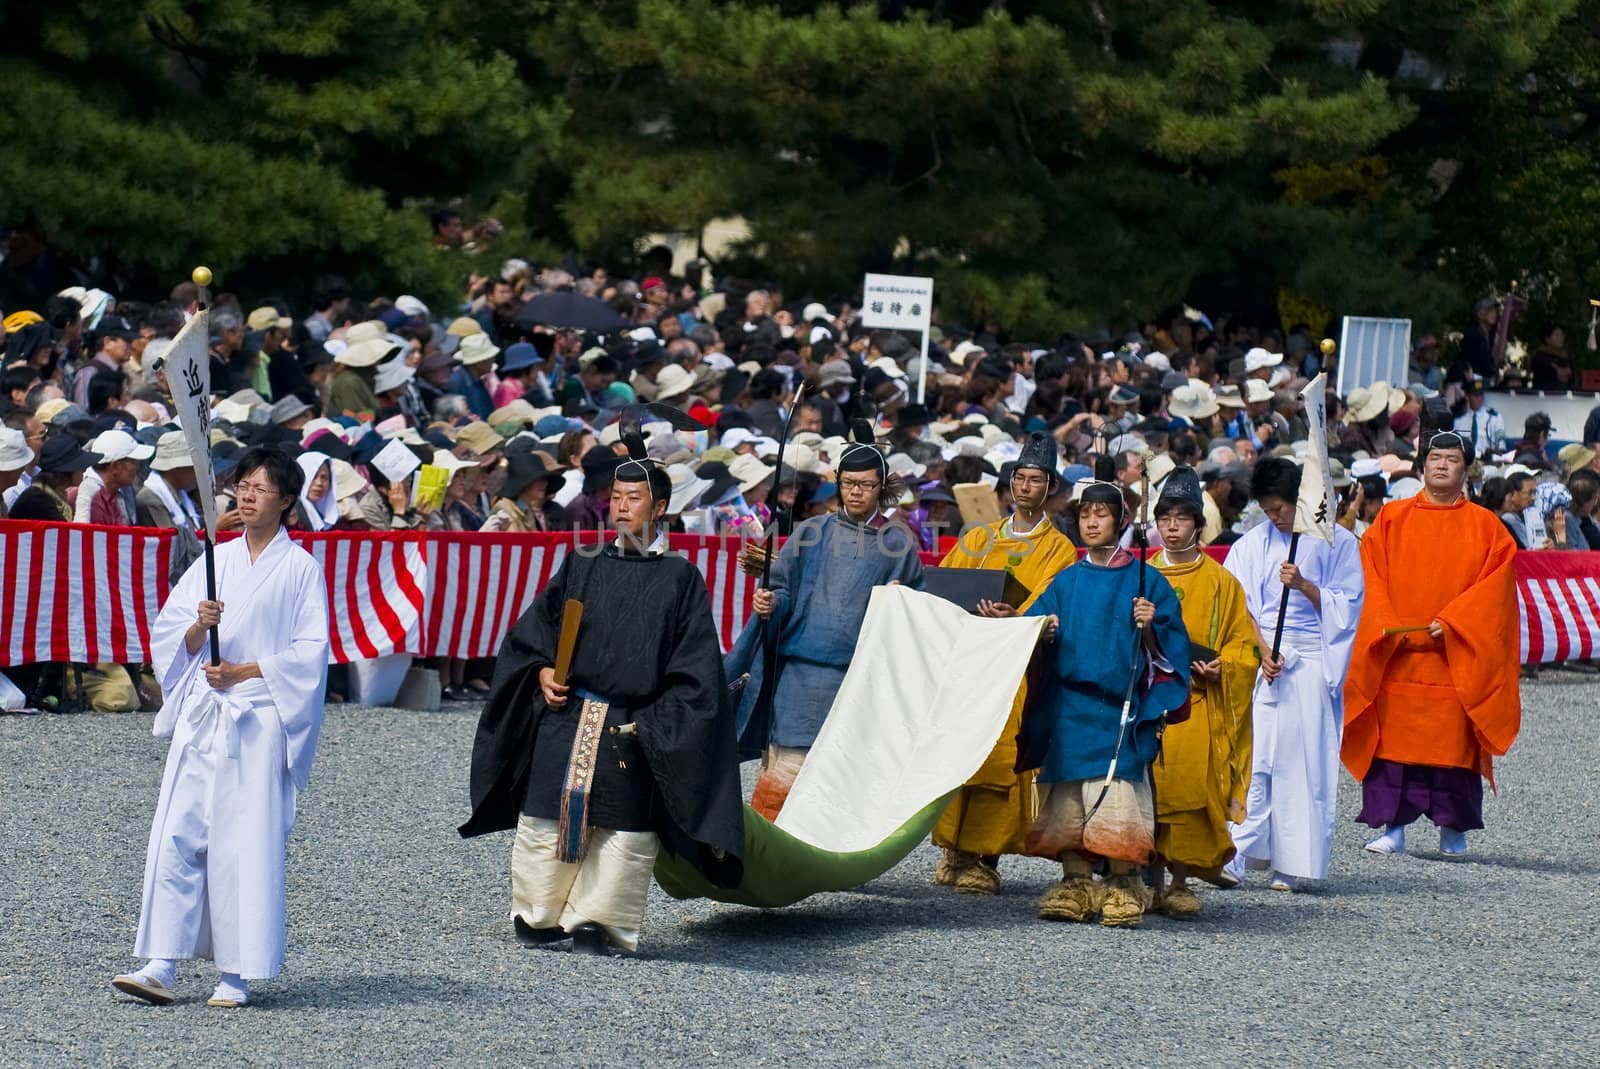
(1283, 603)
(571, 620)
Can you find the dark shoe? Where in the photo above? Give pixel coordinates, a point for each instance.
(530, 936)
(457, 694)
(590, 938)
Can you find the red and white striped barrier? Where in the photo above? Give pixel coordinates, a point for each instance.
(89, 594)
(76, 592)
(1559, 595)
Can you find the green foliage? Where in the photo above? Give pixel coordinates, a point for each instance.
(1052, 164)
(269, 140)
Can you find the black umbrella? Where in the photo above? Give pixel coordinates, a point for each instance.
(569, 310)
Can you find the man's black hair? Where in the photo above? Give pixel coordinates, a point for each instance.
(61, 312)
(105, 387)
(285, 474)
(17, 377)
(1276, 477)
(441, 218)
(165, 318)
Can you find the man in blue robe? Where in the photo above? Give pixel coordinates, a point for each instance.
(1119, 663)
(816, 600)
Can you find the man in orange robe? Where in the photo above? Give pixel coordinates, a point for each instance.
(1427, 709)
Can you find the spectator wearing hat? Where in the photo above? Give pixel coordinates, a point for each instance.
(15, 458)
(521, 377)
(527, 496)
(118, 468)
(268, 335)
(1480, 425)
(1576, 457)
(748, 512)
(433, 380)
(674, 386)
(115, 347)
(464, 508)
(1259, 363)
(352, 389)
(642, 367)
(1535, 436)
(392, 385)
(291, 413)
(166, 500)
(62, 461)
(1366, 423)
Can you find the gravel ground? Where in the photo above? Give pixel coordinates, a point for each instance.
(400, 952)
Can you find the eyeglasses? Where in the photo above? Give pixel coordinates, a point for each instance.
(855, 486)
(252, 490)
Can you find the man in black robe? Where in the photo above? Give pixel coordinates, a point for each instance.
(631, 755)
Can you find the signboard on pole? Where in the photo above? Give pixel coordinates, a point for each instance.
(188, 371)
(897, 302)
(1373, 350)
(1317, 508)
(900, 302)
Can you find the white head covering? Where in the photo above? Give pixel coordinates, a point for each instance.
(322, 514)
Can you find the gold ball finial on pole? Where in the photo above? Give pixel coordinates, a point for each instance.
(1328, 346)
(201, 276)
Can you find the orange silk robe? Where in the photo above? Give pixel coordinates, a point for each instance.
(1451, 702)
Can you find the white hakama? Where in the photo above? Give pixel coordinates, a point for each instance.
(1297, 719)
(214, 872)
(608, 887)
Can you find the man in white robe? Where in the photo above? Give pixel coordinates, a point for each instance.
(1298, 703)
(243, 737)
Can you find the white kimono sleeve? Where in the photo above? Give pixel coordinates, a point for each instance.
(175, 667)
(1343, 587)
(297, 676)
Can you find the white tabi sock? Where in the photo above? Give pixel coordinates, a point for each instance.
(232, 988)
(162, 971)
(1392, 841)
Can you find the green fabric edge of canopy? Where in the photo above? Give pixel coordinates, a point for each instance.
(780, 870)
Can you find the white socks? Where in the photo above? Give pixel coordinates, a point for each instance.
(1392, 841)
(232, 988)
(159, 971)
(1452, 843)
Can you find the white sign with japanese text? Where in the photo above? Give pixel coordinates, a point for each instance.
(897, 302)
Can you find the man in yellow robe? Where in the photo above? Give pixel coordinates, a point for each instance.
(990, 815)
(1203, 773)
